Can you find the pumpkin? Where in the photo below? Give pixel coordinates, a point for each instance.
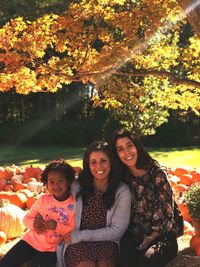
(18, 199)
(195, 176)
(17, 185)
(180, 171)
(3, 238)
(186, 179)
(184, 210)
(195, 244)
(31, 200)
(179, 188)
(5, 174)
(11, 218)
(32, 172)
(2, 184)
(8, 187)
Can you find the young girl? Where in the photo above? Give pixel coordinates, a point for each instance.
(48, 220)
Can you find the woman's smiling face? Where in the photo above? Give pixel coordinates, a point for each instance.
(126, 151)
(99, 164)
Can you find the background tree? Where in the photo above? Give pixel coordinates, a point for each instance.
(119, 46)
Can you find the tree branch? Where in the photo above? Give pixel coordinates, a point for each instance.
(159, 74)
(143, 73)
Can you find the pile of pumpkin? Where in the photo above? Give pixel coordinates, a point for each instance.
(19, 189)
(181, 179)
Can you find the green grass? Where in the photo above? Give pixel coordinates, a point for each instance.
(40, 156)
(177, 157)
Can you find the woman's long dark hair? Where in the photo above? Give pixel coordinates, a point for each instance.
(86, 178)
(144, 160)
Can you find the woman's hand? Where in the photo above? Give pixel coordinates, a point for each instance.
(147, 240)
(145, 243)
(39, 224)
(67, 238)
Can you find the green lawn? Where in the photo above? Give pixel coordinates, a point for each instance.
(35, 155)
(177, 157)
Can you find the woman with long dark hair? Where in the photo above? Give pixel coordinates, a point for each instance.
(151, 238)
(102, 212)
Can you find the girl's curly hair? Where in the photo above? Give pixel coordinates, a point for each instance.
(62, 166)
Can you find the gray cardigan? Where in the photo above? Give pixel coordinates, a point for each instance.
(118, 218)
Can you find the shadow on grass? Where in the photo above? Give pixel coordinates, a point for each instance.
(37, 155)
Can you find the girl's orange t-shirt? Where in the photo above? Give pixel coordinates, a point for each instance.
(49, 208)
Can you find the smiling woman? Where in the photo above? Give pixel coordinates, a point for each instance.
(151, 238)
(102, 212)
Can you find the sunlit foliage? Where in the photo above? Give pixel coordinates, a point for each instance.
(129, 50)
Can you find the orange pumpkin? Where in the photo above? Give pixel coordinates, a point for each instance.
(2, 170)
(195, 242)
(2, 184)
(8, 187)
(184, 210)
(18, 199)
(32, 172)
(180, 171)
(3, 238)
(11, 219)
(31, 200)
(195, 176)
(186, 179)
(17, 185)
(179, 189)
(5, 174)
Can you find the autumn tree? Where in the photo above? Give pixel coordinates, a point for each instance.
(127, 50)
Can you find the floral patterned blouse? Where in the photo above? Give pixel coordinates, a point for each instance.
(152, 202)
